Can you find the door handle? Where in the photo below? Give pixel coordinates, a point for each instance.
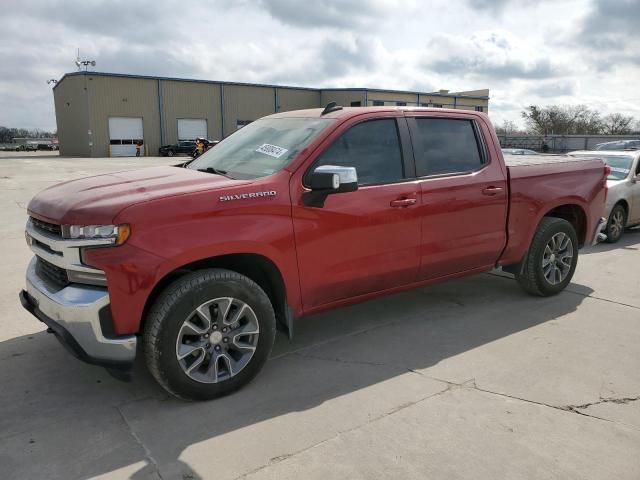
(403, 202)
(491, 191)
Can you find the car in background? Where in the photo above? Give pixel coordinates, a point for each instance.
(623, 183)
(619, 145)
(518, 151)
(25, 147)
(185, 147)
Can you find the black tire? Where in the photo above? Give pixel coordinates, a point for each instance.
(614, 233)
(531, 276)
(170, 153)
(173, 307)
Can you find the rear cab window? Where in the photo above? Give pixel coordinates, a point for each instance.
(447, 146)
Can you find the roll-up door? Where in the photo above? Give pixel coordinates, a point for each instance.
(124, 134)
(191, 128)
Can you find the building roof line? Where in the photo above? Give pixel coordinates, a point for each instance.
(246, 84)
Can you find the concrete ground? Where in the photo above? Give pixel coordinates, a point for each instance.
(469, 379)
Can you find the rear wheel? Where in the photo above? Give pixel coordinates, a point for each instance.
(209, 334)
(552, 258)
(616, 223)
(170, 153)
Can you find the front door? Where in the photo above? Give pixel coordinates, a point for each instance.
(363, 241)
(463, 196)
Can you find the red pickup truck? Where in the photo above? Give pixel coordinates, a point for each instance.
(296, 213)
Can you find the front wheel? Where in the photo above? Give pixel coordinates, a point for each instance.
(616, 223)
(170, 153)
(209, 334)
(551, 260)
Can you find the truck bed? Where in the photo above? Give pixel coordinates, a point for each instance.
(537, 181)
(529, 160)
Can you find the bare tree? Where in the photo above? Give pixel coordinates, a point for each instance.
(617, 124)
(507, 127)
(562, 120)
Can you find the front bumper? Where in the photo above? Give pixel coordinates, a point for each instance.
(74, 315)
(599, 236)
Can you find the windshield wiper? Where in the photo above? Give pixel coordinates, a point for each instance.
(214, 170)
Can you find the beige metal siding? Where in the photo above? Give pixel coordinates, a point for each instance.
(246, 103)
(190, 100)
(294, 99)
(71, 117)
(431, 100)
(341, 97)
(123, 97)
(472, 103)
(390, 98)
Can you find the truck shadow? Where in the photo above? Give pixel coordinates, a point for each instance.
(72, 420)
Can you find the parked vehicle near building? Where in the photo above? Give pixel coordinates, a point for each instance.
(26, 147)
(623, 198)
(619, 145)
(184, 147)
(296, 213)
(519, 151)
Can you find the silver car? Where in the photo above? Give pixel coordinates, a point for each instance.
(623, 196)
(518, 151)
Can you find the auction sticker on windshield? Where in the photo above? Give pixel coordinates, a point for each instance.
(271, 150)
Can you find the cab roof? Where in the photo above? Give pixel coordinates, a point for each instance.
(348, 112)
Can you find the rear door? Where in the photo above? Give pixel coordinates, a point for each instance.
(463, 195)
(363, 241)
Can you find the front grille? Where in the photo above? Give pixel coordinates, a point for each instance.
(47, 227)
(52, 273)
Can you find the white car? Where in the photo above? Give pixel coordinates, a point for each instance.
(623, 183)
(518, 151)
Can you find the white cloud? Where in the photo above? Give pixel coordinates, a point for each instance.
(525, 52)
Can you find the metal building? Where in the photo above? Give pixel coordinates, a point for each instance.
(106, 114)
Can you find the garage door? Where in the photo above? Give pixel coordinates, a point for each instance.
(191, 128)
(124, 134)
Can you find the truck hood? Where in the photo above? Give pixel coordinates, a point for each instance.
(98, 199)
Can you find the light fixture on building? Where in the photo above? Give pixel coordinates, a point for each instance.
(52, 80)
(85, 63)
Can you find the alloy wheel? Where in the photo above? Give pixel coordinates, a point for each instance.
(617, 223)
(217, 340)
(557, 258)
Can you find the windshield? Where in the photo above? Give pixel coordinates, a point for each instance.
(620, 165)
(622, 145)
(261, 148)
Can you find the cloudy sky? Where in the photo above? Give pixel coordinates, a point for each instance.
(525, 51)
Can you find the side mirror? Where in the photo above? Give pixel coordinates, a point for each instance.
(328, 179)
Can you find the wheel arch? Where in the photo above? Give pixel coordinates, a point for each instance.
(624, 203)
(575, 215)
(257, 267)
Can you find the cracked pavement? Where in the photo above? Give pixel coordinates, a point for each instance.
(468, 379)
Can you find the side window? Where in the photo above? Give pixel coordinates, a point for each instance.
(446, 146)
(373, 147)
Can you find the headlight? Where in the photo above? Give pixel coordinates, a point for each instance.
(118, 234)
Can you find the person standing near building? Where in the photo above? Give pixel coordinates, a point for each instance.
(138, 148)
(199, 146)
